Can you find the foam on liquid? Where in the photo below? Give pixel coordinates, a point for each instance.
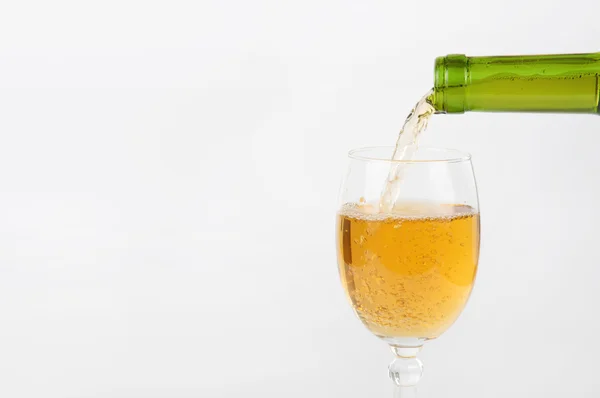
(406, 211)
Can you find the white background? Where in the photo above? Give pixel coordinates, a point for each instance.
(168, 182)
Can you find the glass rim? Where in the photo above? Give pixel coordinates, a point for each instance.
(454, 155)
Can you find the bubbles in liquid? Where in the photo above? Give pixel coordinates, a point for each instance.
(413, 274)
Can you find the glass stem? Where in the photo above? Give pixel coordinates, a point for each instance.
(405, 371)
(405, 392)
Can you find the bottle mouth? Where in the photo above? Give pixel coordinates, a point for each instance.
(451, 75)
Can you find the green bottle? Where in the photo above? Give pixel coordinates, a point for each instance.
(534, 83)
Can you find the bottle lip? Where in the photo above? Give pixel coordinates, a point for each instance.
(451, 71)
(450, 79)
(439, 76)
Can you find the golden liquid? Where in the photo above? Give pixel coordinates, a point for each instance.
(408, 273)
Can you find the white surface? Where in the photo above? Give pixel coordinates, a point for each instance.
(168, 182)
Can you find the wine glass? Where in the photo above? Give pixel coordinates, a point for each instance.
(408, 270)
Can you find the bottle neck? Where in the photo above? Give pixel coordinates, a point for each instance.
(541, 83)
